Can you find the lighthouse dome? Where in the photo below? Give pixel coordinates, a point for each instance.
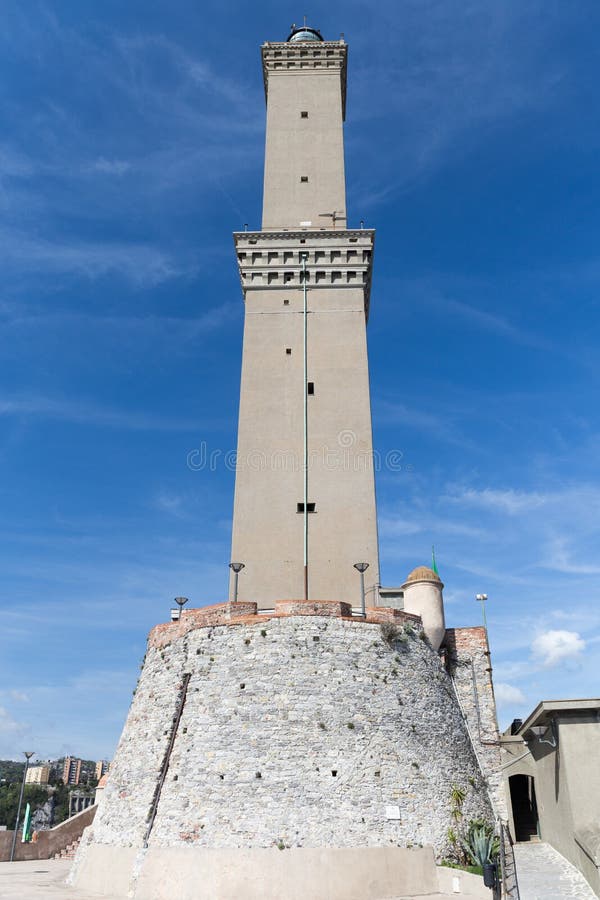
(304, 33)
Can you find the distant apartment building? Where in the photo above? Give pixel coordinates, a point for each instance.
(71, 771)
(37, 775)
(101, 768)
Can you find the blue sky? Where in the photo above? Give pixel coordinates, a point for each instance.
(131, 146)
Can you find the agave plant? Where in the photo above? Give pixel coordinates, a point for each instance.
(481, 845)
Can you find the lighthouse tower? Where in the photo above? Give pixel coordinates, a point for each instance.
(272, 724)
(304, 510)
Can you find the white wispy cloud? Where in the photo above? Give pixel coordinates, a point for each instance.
(11, 731)
(141, 264)
(556, 646)
(172, 333)
(559, 556)
(510, 501)
(111, 166)
(508, 694)
(169, 502)
(442, 425)
(88, 413)
(462, 70)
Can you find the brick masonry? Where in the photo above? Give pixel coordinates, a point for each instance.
(469, 664)
(298, 730)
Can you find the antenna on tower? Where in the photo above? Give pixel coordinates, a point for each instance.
(335, 216)
(305, 21)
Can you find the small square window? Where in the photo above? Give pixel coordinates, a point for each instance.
(288, 351)
(310, 507)
(304, 114)
(286, 302)
(304, 178)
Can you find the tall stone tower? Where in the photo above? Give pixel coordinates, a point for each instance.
(304, 510)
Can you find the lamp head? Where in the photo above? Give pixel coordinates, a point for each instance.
(237, 567)
(181, 601)
(481, 597)
(361, 567)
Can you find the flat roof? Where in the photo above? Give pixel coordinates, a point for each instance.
(545, 710)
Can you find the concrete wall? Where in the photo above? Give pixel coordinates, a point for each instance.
(189, 873)
(579, 742)
(192, 873)
(49, 842)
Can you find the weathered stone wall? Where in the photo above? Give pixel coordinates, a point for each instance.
(297, 731)
(470, 666)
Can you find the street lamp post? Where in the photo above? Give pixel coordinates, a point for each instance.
(236, 569)
(27, 754)
(362, 568)
(180, 601)
(481, 598)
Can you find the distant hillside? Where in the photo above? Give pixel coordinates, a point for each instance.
(10, 770)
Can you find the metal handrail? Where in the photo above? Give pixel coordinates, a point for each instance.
(509, 880)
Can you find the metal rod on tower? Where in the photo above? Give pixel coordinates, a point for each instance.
(303, 257)
(481, 598)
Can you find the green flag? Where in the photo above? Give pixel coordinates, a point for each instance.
(26, 824)
(433, 562)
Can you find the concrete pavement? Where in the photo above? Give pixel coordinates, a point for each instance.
(40, 879)
(546, 875)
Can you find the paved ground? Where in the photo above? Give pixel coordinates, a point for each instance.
(44, 880)
(546, 875)
(38, 880)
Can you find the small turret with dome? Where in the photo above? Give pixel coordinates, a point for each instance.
(423, 597)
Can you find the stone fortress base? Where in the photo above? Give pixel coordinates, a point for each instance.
(276, 755)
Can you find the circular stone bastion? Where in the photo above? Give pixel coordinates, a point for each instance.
(306, 727)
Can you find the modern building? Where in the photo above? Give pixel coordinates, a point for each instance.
(71, 771)
(101, 769)
(551, 768)
(37, 775)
